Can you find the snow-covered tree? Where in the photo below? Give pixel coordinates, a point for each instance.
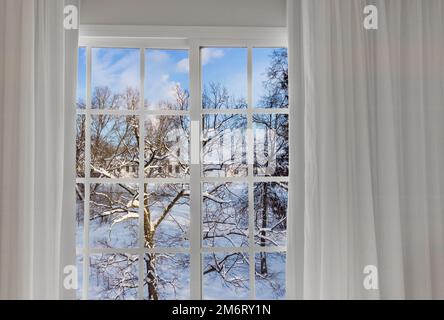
(114, 207)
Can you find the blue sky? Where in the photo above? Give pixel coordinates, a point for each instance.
(261, 63)
(164, 70)
(227, 66)
(118, 68)
(81, 75)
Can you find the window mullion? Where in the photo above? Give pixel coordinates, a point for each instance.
(87, 176)
(141, 174)
(195, 171)
(250, 161)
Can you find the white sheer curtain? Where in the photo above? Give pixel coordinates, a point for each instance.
(37, 94)
(373, 103)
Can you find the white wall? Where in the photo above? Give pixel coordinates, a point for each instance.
(263, 13)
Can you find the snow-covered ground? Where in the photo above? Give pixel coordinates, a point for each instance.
(114, 276)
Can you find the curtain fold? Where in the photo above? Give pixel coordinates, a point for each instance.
(374, 160)
(38, 60)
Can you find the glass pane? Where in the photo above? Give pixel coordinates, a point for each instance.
(167, 215)
(114, 146)
(225, 214)
(270, 144)
(270, 78)
(270, 207)
(81, 79)
(224, 151)
(224, 78)
(80, 209)
(167, 142)
(270, 275)
(225, 276)
(166, 79)
(80, 145)
(113, 276)
(167, 276)
(115, 78)
(114, 213)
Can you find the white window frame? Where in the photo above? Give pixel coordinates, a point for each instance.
(192, 39)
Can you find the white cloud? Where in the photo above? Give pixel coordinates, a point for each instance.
(161, 90)
(183, 65)
(208, 54)
(117, 71)
(164, 77)
(157, 56)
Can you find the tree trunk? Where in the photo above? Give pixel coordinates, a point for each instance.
(263, 226)
(150, 260)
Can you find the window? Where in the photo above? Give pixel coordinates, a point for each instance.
(154, 223)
